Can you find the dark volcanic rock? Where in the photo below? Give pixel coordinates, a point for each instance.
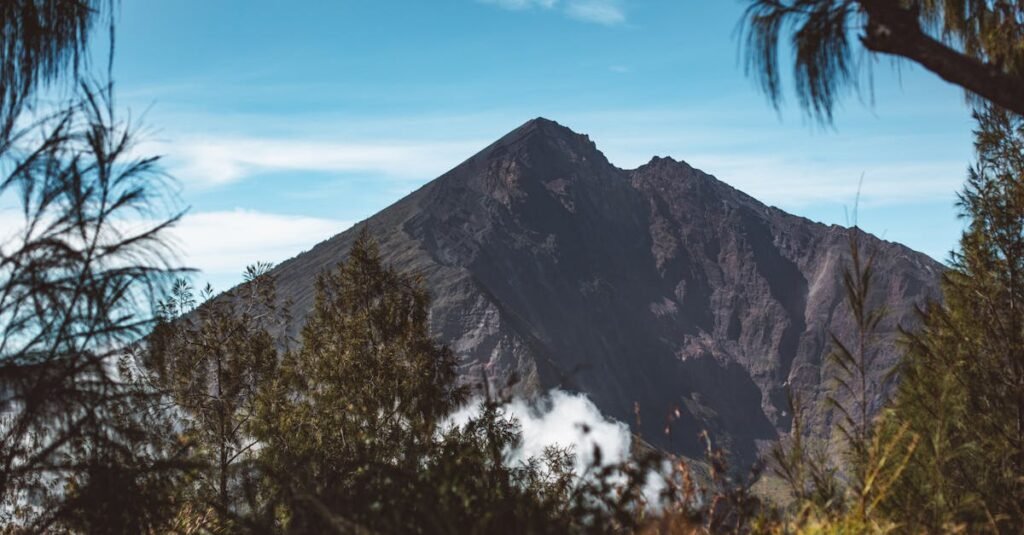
(660, 288)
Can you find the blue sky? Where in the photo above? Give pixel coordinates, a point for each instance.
(287, 121)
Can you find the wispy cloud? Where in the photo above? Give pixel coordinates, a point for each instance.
(794, 183)
(746, 157)
(606, 12)
(522, 4)
(363, 163)
(220, 161)
(220, 244)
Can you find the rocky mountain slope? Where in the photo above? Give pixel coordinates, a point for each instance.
(652, 290)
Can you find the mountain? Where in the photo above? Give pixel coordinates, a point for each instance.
(652, 290)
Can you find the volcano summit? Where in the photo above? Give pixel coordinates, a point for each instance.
(652, 290)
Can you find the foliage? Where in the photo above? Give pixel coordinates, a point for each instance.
(972, 43)
(845, 498)
(84, 445)
(356, 407)
(213, 361)
(75, 282)
(353, 432)
(962, 382)
(40, 41)
(945, 455)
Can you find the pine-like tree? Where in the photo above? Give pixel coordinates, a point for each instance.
(355, 435)
(355, 410)
(213, 360)
(962, 383)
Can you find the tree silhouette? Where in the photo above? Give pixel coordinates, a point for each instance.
(84, 445)
(974, 44)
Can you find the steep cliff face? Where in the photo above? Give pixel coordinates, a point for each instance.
(653, 290)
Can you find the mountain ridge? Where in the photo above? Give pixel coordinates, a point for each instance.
(659, 287)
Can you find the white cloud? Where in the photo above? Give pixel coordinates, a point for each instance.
(522, 4)
(781, 163)
(221, 244)
(607, 12)
(217, 243)
(787, 180)
(565, 420)
(795, 183)
(219, 161)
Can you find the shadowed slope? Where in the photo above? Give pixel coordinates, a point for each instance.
(660, 288)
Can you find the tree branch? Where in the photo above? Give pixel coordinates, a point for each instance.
(892, 29)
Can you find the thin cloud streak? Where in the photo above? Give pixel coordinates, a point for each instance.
(604, 12)
(796, 184)
(221, 243)
(521, 4)
(221, 161)
(787, 181)
(746, 156)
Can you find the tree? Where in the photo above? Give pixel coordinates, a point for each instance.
(76, 281)
(974, 44)
(354, 433)
(83, 445)
(843, 493)
(962, 381)
(357, 406)
(41, 41)
(213, 360)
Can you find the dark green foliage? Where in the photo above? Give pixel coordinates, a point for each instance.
(962, 383)
(355, 409)
(352, 428)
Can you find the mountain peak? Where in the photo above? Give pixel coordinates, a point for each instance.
(544, 122)
(658, 287)
(545, 128)
(662, 160)
(544, 138)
